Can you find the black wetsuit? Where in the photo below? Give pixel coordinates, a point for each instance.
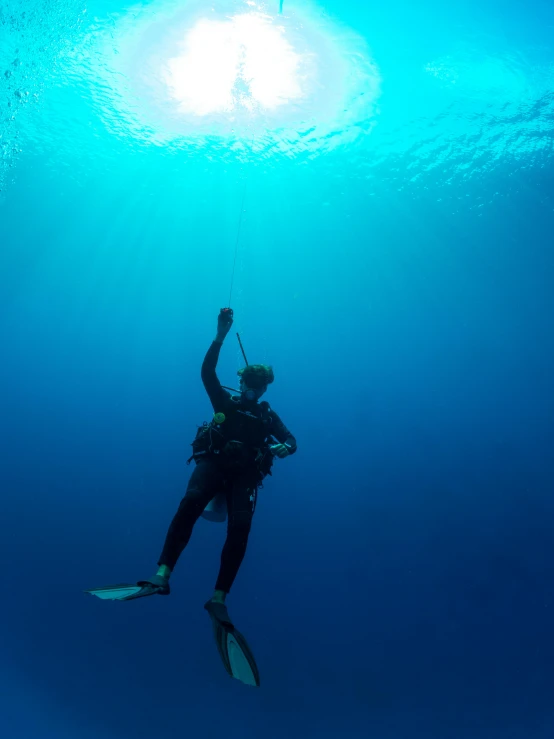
(250, 424)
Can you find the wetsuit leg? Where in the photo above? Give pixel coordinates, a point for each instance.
(204, 484)
(242, 492)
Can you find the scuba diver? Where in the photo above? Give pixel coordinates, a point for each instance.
(233, 454)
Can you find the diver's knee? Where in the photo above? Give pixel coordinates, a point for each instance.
(240, 525)
(192, 502)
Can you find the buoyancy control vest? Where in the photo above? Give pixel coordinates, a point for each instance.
(238, 435)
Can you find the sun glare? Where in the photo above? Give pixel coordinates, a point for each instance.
(174, 71)
(244, 61)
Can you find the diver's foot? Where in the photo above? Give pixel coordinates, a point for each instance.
(218, 611)
(164, 571)
(155, 585)
(219, 596)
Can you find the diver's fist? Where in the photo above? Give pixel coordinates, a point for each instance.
(224, 322)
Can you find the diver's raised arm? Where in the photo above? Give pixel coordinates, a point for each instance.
(208, 373)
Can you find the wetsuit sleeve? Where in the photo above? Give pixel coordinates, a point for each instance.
(216, 393)
(281, 432)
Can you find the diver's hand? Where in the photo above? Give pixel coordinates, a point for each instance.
(279, 450)
(224, 323)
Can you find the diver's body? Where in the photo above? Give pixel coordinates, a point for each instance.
(233, 454)
(234, 462)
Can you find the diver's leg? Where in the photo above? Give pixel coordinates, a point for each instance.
(241, 503)
(205, 482)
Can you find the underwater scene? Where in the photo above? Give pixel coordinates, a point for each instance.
(276, 364)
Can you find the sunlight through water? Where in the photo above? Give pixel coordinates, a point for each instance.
(220, 56)
(170, 72)
(85, 83)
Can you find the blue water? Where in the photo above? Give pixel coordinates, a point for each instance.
(394, 265)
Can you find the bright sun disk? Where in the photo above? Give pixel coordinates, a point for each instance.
(244, 61)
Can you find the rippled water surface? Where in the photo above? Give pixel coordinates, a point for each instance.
(87, 83)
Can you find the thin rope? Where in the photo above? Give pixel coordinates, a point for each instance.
(237, 241)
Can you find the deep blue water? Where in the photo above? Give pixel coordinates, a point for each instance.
(394, 265)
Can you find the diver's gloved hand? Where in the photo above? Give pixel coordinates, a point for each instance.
(224, 323)
(279, 450)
